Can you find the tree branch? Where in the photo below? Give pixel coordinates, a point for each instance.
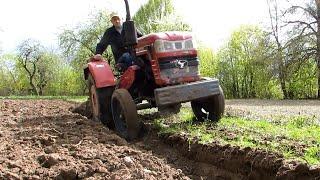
(310, 12)
(24, 63)
(83, 44)
(274, 25)
(304, 23)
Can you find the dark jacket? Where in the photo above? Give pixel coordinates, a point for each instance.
(112, 37)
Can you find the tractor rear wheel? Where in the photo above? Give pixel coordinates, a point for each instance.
(125, 116)
(211, 108)
(100, 102)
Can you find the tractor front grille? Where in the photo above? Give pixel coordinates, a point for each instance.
(173, 70)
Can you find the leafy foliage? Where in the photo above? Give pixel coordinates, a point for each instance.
(244, 63)
(303, 21)
(208, 62)
(159, 16)
(49, 73)
(279, 62)
(79, 43)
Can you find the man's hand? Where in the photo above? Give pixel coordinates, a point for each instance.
(97, 57)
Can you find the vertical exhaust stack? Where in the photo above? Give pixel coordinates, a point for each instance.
(130, 36)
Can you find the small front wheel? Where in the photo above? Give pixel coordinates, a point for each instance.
(125, 116)
(211, 108)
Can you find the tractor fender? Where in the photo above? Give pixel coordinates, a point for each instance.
(101, 73)
(128, 77)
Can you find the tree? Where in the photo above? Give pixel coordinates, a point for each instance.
(79, 43)
(7, 62)
(158, 16)
(243, 64)
(305, 18)
(29, 55)
(7, 73)
(48, 68)
(278, 35)
(38, 64)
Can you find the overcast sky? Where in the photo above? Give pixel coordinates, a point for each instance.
(212, 21)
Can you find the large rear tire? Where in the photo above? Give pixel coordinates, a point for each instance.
(211, 108)
(125, 116)
(100, 102)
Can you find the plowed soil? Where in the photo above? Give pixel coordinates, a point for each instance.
(44, 139)
(273, 110)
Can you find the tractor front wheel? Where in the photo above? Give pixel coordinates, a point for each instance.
(100, 102)
(211, 108)
(125, 116)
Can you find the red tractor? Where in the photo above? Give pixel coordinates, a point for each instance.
(165, 74)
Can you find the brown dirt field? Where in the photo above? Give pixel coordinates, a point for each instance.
(273, 110)
(43, 139)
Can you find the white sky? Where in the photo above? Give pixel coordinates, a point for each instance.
(212, 21)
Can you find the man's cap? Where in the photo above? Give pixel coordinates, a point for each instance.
(114, 14)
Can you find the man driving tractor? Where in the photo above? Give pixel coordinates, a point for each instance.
(161, 70)
(114, 36)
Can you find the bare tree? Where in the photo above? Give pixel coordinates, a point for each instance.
(305, 18)
(29, 56)
(276, 33)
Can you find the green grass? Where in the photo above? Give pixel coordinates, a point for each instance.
(66, 98)
(297, 138)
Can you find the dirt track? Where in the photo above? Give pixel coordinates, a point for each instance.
(44, 140)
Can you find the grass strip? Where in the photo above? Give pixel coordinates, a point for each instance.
(297, 138)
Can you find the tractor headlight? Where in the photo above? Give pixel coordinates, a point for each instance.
(167, 46)
(188, 44)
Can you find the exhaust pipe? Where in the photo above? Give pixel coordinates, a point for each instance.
(128, 17)
(130, 36)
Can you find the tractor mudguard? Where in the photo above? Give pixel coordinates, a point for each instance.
(101, 73)
(128, 77)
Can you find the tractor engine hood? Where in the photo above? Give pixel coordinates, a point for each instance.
(169, 36)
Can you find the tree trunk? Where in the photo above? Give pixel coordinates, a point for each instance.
(235, 86)
(252, 87)
(244, 85)
(282, 80)
(42, 81)
(234, 89)
(282, 72)
(318, 62)
(283, 84)
(40, 91)
(34, 89)
(318, 46)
